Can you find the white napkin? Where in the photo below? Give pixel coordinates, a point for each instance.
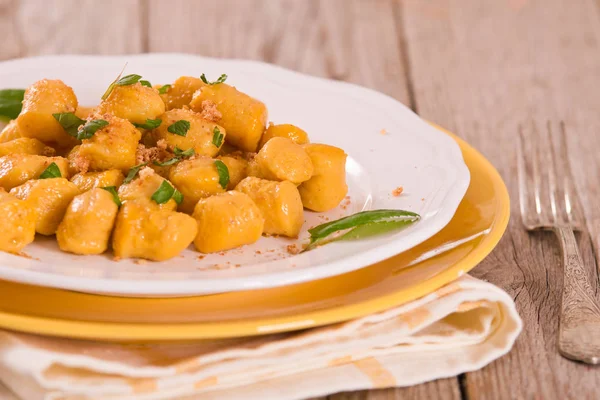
(459, 328)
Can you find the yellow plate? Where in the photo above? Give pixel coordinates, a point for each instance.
(474, 231)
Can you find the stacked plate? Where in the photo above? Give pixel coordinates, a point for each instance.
(265, 288)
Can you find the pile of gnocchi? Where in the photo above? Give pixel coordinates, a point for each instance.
(152, 169)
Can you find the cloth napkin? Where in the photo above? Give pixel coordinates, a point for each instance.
(459, 328)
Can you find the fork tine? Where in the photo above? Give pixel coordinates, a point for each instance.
(524, 184)
(554, 182)
(573, 207)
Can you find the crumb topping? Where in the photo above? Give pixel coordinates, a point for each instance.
(146, 154)
(210, 112)
(80, 164)
(398, 191)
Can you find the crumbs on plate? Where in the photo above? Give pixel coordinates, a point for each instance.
(383, 132)
(398, 191)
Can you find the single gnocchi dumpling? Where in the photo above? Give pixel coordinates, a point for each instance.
(327, 187)
(141, 190)
(25, 146)
(196, 179)
(41, 100)
(282, 160)
(49, 198)
(89, 180)
(242, 116)
(226, 221)
(289, 131)
(181, 92)
(88, 222)
(152, 234)
(204, 136)
(16, 169)
(10, 132)
(18, 223)
(237, 167)
(113, 146)
(279, 203)
(135, 103)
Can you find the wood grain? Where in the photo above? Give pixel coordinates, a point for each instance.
(481, 69)
(33, 27)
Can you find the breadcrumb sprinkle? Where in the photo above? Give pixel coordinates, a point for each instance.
(292, 249)
(383, 132)
(210, 112)
(146, 154)
(398, 191)
(80, 164)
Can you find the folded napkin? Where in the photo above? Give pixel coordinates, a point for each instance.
(461, 327)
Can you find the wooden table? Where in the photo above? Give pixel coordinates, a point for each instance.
(476, 67)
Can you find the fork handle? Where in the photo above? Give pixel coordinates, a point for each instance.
(579, 330)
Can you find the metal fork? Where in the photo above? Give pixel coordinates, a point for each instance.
(549, 201)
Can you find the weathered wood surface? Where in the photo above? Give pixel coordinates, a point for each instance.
(477, 67)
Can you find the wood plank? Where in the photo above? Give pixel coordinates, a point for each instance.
(339, 39)
(481, 68)
(335, 39)
(29, 27)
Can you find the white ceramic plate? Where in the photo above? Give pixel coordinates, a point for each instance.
(388, 146)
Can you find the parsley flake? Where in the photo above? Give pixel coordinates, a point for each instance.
(164, 192)
(217, 139)
(146, 83)
(90, 128)
(221, 79)
(164, 88)
(177, 196)
(171, 161)
(133, 172)
(124, 81)
(70, 122)
(11, 102)
(51, 172)
(223, 172)
(184, 153)
(149, 124)
(180, 127)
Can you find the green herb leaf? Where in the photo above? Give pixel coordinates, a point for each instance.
(128, 80)
(221, 79)
(113, 190)
(180, 127)
(177, 196)
(149, 124)
(164, 193)
(124, 81)
(133, 172)
(223, 173)
(146, 83)
(217, 139)
(179, 155)
(361, 218)
(171, 161)
(164, 88)
(70, 122)
(11, 102)
(184, 153)
(51, 172)
(90, 128)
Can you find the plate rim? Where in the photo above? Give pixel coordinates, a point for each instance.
(216, 330)
(185, 287)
